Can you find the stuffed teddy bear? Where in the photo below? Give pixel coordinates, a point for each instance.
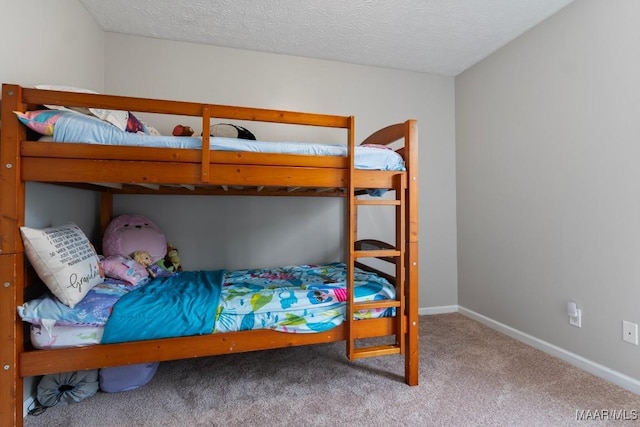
(182, 130)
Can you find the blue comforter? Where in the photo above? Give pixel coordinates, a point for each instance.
(181, 305)
(296, 299)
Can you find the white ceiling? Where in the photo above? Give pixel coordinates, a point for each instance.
(432, 36)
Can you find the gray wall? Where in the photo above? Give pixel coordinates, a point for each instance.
(231, 232)
(48, 50)
(548, 144)
(50, 42)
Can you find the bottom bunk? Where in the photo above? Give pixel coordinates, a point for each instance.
(292, 299)
(185, 314)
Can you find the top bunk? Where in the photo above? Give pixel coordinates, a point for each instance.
(87, 152)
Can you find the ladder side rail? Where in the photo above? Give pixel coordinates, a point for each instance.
(350, 232)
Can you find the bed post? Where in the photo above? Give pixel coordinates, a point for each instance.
(412, 290)
(12, 276)
(106, 211)
(350, 238)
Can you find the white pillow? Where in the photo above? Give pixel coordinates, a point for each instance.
(64, 259)
(117, 118)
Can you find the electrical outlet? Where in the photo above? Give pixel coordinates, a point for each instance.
(630, 332)
(576, 320)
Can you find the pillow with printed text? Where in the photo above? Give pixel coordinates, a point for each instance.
(64, 259)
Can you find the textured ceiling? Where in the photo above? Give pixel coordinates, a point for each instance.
(433, 36)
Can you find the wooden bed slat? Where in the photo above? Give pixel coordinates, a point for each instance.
(141, 172)
(38, 362)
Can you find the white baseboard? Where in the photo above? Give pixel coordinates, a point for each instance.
(618, 378)
(443, 309)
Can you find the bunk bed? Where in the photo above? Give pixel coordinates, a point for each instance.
(134, 169)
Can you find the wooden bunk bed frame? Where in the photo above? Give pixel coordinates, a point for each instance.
(183, 171)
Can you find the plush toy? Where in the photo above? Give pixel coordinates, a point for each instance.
(182, 130)
(144, 258)
(127, 234)
(173, 258)
(171, 261)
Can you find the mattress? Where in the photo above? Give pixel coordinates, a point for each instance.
(75, 127)
(293, 299)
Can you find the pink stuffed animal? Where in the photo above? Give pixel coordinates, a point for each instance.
(127, 234)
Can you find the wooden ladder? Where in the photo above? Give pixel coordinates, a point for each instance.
(403, 254)
(390, 253)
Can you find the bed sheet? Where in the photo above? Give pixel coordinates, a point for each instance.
(295, 299)
(51, 336)
(93, 310)
(83, 128)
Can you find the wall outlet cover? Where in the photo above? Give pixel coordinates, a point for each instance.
(630, 332)
(577, 320)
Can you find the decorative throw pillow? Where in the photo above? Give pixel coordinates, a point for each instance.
(41, 121)
(64, 259)
(124, 268)
(227, 130)
(118, 118)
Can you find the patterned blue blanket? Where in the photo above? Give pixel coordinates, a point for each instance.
(181, 305)
(296, 299)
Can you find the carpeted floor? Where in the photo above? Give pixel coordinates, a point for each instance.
(470, 375)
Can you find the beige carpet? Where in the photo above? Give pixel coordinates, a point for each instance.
(470, 375)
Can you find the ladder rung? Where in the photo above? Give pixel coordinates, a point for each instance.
(377, 253)
(369, 305)
(381, 202)
(379, 350)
